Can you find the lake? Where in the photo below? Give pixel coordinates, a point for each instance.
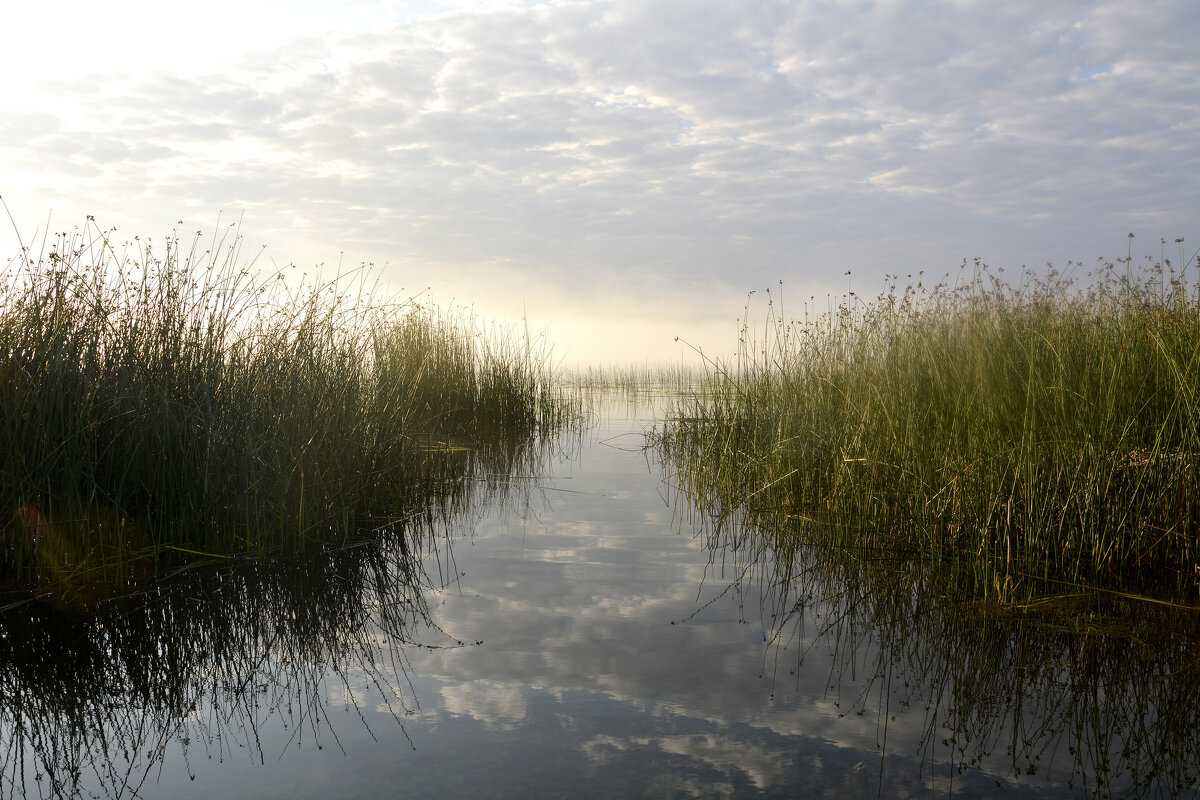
(585, 630)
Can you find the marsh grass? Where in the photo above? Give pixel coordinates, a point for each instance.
(1093, 690)
(173, 404)
(636, 380)
(213, 665)
(1040, 430)
(643, 389)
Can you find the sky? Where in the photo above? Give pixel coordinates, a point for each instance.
(613, 174)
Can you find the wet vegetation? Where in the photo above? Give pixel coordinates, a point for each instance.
(1037, 435)
(162, 406)
(1095, 694)
(639, 380)
(212, 664)
(983, 497)
(228, 493)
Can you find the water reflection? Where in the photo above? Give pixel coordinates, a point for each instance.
(596, 634)
(1090, 693)
(203, 667)
(238, 660)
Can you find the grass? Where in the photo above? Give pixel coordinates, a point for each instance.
(1094, 689)
(174, 402)
(637, 380)
(211, 664)
(644, 389)
(1040, 430)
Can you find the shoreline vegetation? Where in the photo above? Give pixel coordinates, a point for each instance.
(216, 663)
(1025, 694)
(162, 407)
(165, 408)
(1035, 438)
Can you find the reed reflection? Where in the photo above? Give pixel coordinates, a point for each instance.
(237, 658)
(1090, 692)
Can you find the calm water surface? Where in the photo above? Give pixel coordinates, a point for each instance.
(593, 636)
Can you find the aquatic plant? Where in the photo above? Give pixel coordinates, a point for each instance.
(1041, 429)
(1092, 692)
(635, 380)
(212, 408)
(210, 664)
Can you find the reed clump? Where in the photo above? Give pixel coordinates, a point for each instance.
(1007, 691)
(212, 660)
(1045, 429)
(200, 406)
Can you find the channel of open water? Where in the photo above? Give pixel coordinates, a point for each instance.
(587, 633)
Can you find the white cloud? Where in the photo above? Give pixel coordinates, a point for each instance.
(497, 706)
(602, 150)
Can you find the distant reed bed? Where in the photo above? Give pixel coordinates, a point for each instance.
(171, 398)
(639, 385)
(1045, 429)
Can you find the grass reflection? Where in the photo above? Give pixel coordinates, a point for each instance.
(981, 496)
(215, 662)
(240, 657)
(1091, 692)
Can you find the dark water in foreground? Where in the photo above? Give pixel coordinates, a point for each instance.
(591, 637)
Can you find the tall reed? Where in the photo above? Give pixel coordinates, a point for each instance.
(1095, 689)
(1046, 429)
(173, 398)
(209, 665)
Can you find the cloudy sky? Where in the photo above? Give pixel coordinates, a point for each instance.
(622, 172)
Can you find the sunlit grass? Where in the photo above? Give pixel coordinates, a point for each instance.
(1044, 429)
(172, 400)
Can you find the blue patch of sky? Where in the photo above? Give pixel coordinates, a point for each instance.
(1093, 71)
(1073, 33)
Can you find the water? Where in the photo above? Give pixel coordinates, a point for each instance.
(591, 636)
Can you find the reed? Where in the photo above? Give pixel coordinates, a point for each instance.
(1044, 429)
(1023, 694)
(212, 665)
(213, 408)
(636, 380)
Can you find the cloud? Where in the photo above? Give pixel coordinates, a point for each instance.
(725, 756)
(497, 706)
(701, 144)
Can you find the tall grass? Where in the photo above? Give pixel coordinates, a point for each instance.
(644, 389)
(209, 665)
(639, 379)
(173, 398)
(1091, 689)
(1044, 429)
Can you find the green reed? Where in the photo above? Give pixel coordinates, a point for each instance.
(208, 664)
(171, 398)
(1044, 429)
(1095, 690)
(227, 653)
